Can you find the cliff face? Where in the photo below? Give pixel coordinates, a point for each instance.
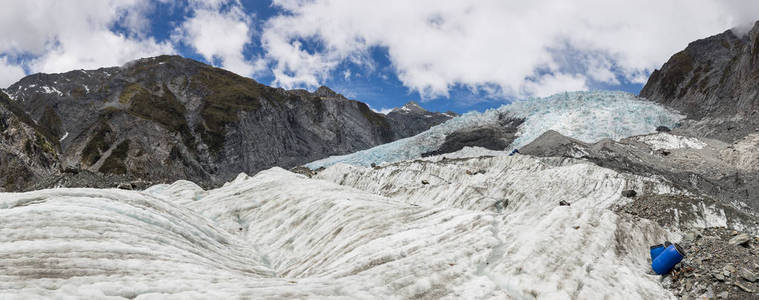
(27, 152)
(169, 118)
(715, 81)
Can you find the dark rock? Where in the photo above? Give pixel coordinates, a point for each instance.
(663, 129)
(125, 186)
(71, 170)
(552, 143)
(629, 193)
(741, 239)
(425, 181)
(493, 137)
(303, 171)
(501, 205)
(564, 203)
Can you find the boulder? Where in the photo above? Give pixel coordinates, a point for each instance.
(629, 193)
(748, 275)
(740, 239)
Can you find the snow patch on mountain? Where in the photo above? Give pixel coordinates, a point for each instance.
(51, 90)
(11, 96)
(586, 116)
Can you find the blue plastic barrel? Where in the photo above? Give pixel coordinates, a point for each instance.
(667, 259)
(656, 250)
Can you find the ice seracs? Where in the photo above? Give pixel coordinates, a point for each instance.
(586, 116)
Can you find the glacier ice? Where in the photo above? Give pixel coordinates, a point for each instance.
(587, 116)
(353, 232)
(669, 141)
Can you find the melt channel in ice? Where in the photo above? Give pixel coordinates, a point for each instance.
(586, 116)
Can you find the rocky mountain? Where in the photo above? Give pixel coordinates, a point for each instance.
(411, 119)
(28, 152)
(715, 81)
(167, 118)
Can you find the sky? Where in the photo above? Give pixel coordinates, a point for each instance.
(445, 54)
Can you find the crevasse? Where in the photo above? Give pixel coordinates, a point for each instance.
(587, 116)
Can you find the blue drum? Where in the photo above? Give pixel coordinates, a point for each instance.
(667, 259)
(656, 250)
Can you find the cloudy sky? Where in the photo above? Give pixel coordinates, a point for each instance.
(457, 55)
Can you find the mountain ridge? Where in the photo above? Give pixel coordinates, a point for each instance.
(715, 81)
(197, 122)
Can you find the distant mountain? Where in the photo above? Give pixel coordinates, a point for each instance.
(167, 118)
(411, 119)
(715, 81)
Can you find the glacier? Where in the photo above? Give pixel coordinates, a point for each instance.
(586, 116)
(351, 232)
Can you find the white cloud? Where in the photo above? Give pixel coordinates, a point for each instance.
(550, 84)
(218, 33)
(9, 73)
(383, 110)
(57, 36)
(434, 45)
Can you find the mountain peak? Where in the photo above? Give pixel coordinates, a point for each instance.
(410, 107)
(324, 91)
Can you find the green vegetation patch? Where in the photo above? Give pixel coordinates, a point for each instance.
(165, 110)
(78, 92)
(129, 92)
(99, 142)
(115, 164)
(227, 94)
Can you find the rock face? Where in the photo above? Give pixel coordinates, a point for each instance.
(493, 137)
(715, 81)
(27, 151)
(167, 118)
(411, 119)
